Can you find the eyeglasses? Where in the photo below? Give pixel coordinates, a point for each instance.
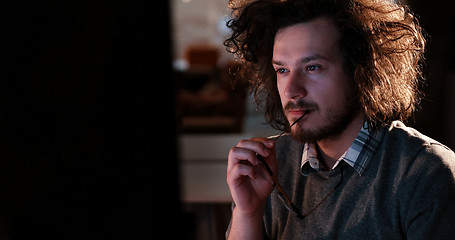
(282, 194)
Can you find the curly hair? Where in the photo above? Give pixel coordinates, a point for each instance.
(382, 46)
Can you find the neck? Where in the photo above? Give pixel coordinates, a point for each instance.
(332, 149)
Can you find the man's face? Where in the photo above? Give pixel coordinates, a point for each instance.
(311, 80)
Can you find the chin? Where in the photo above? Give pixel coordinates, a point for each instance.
(313, 134)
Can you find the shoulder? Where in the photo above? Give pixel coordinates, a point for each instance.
(416, 160)
(398, 131)
(426, 186)
(419, 161)
(407, 141)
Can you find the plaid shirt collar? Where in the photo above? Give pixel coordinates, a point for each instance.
(357, 156)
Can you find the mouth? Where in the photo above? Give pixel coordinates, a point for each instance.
(297, 113)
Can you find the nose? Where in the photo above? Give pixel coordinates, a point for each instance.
(295, 88)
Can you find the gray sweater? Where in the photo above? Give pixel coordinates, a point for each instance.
(406, 192)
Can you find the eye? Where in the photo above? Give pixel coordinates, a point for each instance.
(312, 68)
(281, 70)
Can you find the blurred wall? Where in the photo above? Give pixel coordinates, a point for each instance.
(198, 22)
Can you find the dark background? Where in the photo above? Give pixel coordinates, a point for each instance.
(436, 117)
(87, 125)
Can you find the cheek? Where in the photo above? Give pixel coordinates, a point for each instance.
(281, 87)
(338, 97)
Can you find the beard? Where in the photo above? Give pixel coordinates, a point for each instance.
(335, 120)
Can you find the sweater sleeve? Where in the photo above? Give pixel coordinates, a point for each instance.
(428, 200)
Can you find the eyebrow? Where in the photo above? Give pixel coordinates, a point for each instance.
(302, 60)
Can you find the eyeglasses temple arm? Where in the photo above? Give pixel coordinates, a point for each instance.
(277, 185)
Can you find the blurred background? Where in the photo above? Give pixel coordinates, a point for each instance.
(116, 117)
(212, 117)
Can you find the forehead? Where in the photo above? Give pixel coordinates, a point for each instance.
(318, 36)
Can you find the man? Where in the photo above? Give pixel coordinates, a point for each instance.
(339, 76)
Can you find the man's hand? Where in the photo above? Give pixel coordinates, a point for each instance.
(248, 180)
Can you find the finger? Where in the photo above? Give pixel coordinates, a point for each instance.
(271, 159)
(257, 145)
(240, 171)
(237, 154)
(265, 164)
(269, 143)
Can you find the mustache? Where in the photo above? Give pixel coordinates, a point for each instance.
(301, 104)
